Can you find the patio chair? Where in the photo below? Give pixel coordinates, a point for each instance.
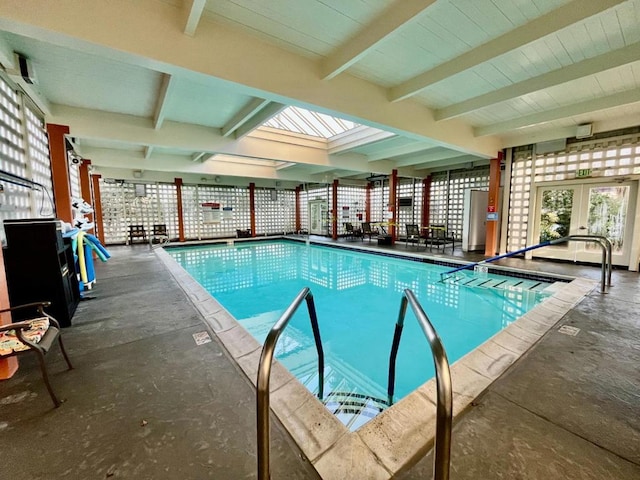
(439, 237)
(35, 335)
(351, 232)
(159, 234)
(413, 235)
(137, 231)
(367, 231)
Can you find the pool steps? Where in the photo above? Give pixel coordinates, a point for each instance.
(515, 283)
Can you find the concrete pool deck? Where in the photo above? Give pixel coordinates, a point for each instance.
(146, 402)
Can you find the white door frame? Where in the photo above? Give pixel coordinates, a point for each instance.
(633, 213)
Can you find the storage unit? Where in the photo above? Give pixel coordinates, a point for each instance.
(40, 266)
(474, 224)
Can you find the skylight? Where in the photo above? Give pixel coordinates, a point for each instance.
(299, 120)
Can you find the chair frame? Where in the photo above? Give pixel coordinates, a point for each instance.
(413, 234)
(350, 231)
(159, 235)
(368, 231)
(137, 231)
(441, 237)
(36, 347)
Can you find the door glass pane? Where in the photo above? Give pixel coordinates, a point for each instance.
(607, 214)
(555, 214)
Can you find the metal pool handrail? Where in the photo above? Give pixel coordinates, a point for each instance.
(264, 374)
(444, 409)
(607, 262)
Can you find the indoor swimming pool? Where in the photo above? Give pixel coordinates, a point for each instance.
(357, 297)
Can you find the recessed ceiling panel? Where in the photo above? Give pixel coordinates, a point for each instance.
(82, 80)
(202, 104)
(295, 25)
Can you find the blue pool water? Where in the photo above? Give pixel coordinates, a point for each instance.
(357, 297)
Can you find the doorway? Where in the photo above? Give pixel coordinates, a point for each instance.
(605, 209)
(318, 217)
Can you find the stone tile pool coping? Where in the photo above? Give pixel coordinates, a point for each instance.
(403, 433)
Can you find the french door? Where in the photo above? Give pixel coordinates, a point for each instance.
(317, 217)
(605, 209)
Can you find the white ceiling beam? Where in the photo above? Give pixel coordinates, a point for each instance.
(553, 133)
(132, 130)
(578, 70)
(243, 115)
(389, 21)
(250, 124)
(181, 165)
(161, 103)
(472, 159)
(148, 150)
(436, 155)
(573, 12)
(400, 150)
(219, 55)
(357, 137)
(588, 106)
(195, 8)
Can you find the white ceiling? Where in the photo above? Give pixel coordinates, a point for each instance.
(443, 81)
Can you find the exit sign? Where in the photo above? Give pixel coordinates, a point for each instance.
(583, 172)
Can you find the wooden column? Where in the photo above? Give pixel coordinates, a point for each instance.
(97, 207)
(298, 222)
(252, 207)
(426, 200)
(60, 171)
(178, 183)
(334, 213)
(393, 188)
(85, 185)
(367, 202)
(8, 366)
(493, 213)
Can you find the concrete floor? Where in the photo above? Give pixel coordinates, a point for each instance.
(145, 402)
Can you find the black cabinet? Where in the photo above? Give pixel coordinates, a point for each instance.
(40, 267)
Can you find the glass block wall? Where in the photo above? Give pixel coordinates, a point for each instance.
(233, 212)
(447, 195)
(351, 206)
(612, 155)
(409, 189)
(123, 205)
(39, 163)
(380, 201)
(275, 211)
(24, 149)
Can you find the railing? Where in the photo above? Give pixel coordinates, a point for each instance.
(504, 255)
(264, 374)
(605, 243)
(607, 252)
(444, 409)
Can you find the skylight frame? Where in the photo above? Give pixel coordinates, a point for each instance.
(306, 122)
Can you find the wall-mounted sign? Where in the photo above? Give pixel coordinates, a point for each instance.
(210, 212)
(492, 216)
(491, 208)
(583, 172)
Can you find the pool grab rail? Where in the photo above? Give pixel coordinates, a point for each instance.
(504, 255)
(605, 243)
(444, 397)
(264, 374)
